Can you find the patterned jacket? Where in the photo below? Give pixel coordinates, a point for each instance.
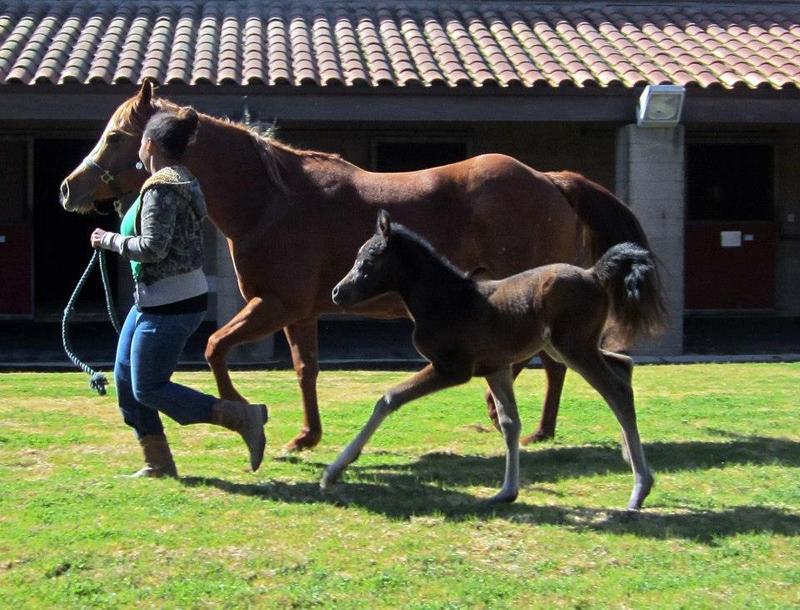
(169, 229)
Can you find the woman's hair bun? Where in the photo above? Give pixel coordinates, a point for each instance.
(188, 116)
(173, 131)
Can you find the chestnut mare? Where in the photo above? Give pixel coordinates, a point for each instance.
(468, 328)
(293, 219)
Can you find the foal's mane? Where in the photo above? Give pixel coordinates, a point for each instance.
(270, 149)
(421, 244)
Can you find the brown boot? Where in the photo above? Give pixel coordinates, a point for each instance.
(157, 457)
(246, 419)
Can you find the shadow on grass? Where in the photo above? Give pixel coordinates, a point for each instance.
(406, 498)
(545, 465)
(424, 488)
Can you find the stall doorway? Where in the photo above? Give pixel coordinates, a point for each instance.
(731, 234)
(15, 231)
(61, 239)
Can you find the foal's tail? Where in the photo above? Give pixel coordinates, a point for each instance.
(628, 274)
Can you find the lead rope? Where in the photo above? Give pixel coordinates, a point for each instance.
(97, 380)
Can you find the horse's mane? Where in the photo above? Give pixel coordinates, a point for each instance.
(265, 142)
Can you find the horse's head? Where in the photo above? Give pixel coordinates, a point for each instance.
(372, 271)
(109, 170)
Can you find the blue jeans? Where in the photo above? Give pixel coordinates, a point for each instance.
(147, 353)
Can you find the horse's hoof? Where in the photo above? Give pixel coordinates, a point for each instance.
(302, 442)
(539, 436)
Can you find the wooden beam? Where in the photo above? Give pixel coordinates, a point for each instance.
(26, 106)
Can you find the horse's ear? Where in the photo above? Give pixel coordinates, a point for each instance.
(384, 224)
(145, 94)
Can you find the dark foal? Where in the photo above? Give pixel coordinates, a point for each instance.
(468, 328)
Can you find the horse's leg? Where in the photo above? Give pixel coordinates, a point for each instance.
(555, 372)
(426, 381)
(302, 338)
(257, 319)
(502, 385)
(618, 393)
(491, 407)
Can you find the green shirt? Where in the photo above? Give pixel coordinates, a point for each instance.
(128, 229)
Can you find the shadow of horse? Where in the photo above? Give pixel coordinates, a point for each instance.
(424, 488)
(558, 463)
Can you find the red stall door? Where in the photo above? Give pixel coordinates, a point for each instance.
(15, 270)
(730, 265)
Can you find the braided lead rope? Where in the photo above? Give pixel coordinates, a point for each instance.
(112, 312)
(97, 380)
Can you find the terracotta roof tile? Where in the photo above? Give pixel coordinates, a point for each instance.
(278, 66)
(379, 69)
(404, 43)
(353, 67)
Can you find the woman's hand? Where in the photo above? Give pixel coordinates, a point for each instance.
(97, 238)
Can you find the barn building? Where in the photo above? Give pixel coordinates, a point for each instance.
(689, 111)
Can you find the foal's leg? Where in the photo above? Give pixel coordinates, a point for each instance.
(257, 319)
(622, 366)
(426, 381)
(555, 373)
(618, 393)
(302, 338)
(502, 386)
(491, 407)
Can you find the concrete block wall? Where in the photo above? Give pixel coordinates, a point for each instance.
(650, 178)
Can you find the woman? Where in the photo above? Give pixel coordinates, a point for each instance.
(161, 236)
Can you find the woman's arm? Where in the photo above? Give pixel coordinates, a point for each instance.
(159, 210)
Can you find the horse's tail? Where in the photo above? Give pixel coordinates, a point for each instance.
(605, 220)
(627, 272)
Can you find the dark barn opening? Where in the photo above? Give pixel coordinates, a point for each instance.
(404, 156)
(61, 248)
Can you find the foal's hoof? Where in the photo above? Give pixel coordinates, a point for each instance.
(504, 497)
(306, 439)
(640, 491)
(329, 479)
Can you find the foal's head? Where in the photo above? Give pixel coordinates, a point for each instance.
(373, 270)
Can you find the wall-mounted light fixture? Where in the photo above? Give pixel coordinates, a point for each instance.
(660, 106)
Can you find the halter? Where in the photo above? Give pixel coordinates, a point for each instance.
(105, 175)
(110, 180)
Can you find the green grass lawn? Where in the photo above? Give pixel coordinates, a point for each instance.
(406, 527)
